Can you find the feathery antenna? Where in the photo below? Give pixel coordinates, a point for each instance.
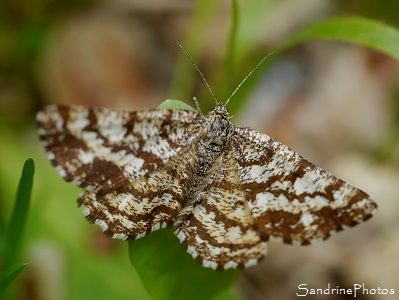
(203, 78)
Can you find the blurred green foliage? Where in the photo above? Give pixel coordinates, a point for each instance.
(24, 28)
(384, 10)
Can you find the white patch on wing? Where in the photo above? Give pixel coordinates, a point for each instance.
(317, 202)
(177, 135)
(114, 134)
(254, 173)
(61, 171)
(342, 195)
(91, 138)
(230, 265)
(268, 202)
(147, 128)
(320, 179)
(120, 236)
(159, 147)
(281, 185)
(155, 227)
(192, 251)
(234, 235)
(86, 211)
(209, 264)
(111, 124)
(78, 119)
(59, 121)
(50, 156)
(128, 224)
(251, 262)
(102, 224)
(279, 165)
(306, 219)
(251, 154)
(180, 235)
(303, 185)
(86, 157)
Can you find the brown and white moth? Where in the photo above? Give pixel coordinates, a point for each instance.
(226, 190)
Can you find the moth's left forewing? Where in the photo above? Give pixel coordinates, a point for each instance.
(100, 148)
(291, 199)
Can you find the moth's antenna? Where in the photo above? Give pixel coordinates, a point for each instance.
(246, 77)
(203, 78)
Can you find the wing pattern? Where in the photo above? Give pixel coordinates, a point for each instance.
(226, 190)
(221, 231)
(151, 202)
(99, 148)
(291, 199)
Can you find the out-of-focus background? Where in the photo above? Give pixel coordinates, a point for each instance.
(335, 103)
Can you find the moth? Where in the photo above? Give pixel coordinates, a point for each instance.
(225, 190)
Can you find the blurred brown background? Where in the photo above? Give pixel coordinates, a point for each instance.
(335, 103)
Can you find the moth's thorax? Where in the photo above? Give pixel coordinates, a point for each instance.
(218, 127)
(213, 141)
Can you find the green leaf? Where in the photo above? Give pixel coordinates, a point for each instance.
(17, 222)
(10, 275)
(163, 265)
(175, 104)
(369, 33)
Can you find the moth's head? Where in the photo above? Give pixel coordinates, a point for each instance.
(220, 111)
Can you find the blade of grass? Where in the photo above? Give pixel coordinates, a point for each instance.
(242, 43)
(184, 78)
(226, 80)
(9, 276)
(233, 36)
(366, 32)
(15, 228)
(361, 31)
